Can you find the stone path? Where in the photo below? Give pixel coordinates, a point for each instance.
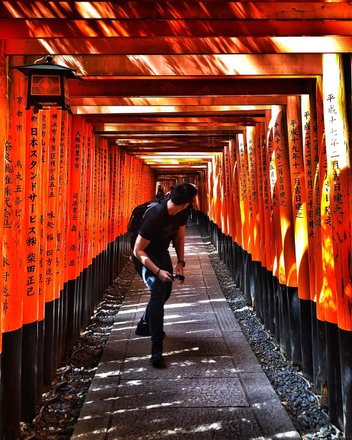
(213, 387)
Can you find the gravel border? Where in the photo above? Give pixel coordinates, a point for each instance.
(294, 390)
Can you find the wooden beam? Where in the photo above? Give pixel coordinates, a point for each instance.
(185, 9)
(148, 143)
(173, 130)
(188, 65)
(179, 45)
(169, 111)
(191, 87)
(182, 137)
(178, 149)
(203, 118)
(166, 149)
(106, 28)
(178, 100)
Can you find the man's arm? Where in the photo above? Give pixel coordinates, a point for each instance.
(139, 252)
(179, 243)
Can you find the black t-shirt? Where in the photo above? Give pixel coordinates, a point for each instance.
(160, 228)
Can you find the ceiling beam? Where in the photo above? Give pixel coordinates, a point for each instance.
(191, 87)
(203, 118)
(107, 28)
(182, 137)
(177, 100)
(192, 65)
(186, 149)
(165, 130)
(178, 45)
(186, 111)
(160, 9)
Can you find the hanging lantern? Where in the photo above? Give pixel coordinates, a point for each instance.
(47, 84)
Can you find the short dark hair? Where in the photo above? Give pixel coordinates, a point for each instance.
(183, 193)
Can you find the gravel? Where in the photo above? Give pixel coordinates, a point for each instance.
(60, 409)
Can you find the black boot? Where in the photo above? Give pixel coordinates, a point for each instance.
(142, 329)
(157, 360)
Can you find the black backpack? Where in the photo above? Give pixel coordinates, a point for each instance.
(137, 216)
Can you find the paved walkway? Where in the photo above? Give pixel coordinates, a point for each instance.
(213, 386)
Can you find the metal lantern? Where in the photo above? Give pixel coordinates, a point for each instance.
(47, 84)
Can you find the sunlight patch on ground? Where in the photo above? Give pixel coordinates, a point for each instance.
(216, 426)
(184, 322)
(242, 309)
(206, 301)
(95, 432)
(158, 405)
(286, 435)
(181, 305)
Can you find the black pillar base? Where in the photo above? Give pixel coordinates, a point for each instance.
(294, 320)
(334, 374)
(29, 380)
(49, 333)
(11, 385)
(306, 338)
(345, 341)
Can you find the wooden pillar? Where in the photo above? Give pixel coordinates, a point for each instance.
(3, 138)
(338, 183)
(13, 258)
(299, 207)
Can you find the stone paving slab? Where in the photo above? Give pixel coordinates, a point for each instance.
(266, 406)
(182, 392)
(198, 424)
(94, 427)
(192, 329)
(242, 353)
(181, 347)
(186, 366)
(213, 386)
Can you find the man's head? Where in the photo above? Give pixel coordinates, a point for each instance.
(183, 193)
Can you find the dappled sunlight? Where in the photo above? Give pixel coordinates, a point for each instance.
(216, 300)
(167, 317)
(179, 305)
(181, 295)
(331, 44)
(157, 405)
(94, 432)
(201, 331)
(135, 309)
(88, 10)
(117, 327)
(224, 64)
(122, 322)
(184, 321)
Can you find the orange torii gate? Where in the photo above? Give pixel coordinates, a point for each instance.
(249, 84)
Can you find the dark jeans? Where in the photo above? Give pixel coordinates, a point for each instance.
(159, 293)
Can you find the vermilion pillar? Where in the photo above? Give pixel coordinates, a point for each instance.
(338, 185)
(13, 257)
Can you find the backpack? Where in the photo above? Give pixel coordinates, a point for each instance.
(137, 216)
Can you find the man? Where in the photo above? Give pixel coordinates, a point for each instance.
(159, 193)
(161, 224)
(168, 194)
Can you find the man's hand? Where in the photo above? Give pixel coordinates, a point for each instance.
(179, 270)
(165, 276)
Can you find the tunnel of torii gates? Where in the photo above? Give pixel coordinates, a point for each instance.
(250, 101)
